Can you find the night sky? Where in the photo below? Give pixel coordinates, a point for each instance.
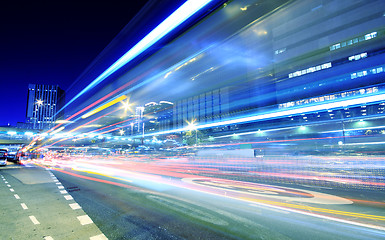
(52, 42)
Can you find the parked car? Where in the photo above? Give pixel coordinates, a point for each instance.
(3, 157)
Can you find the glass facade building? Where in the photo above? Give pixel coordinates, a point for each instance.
(43, 103)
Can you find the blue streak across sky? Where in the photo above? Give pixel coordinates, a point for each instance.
(180, 15)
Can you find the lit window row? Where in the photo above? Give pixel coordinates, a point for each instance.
(329, 97)
(353, 41)
(366, 72)
(358, 56)
(359, 74)
(310, 70)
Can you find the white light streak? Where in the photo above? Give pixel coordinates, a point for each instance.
(171, 22)
(276, 114)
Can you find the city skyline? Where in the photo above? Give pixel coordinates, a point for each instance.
(53, 43)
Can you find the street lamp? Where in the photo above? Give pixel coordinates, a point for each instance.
(39, 102)
(121, 132)
(126, 106)
(191, 127)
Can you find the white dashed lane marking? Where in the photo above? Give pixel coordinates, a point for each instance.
(84, 220)
(75, 206)
(68, 197)
(34, 220)
(99, 237)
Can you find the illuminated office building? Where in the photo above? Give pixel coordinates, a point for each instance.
(43, 103)
(204, 108)
(154, 116)
(303, 54)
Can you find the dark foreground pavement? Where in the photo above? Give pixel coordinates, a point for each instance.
(35, 205)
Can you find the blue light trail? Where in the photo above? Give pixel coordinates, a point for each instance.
(285, 113)
(183, 13)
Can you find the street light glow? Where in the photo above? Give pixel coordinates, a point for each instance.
(191, 126)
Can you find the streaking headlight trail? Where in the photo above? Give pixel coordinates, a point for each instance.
(285, 113)
(174, 20)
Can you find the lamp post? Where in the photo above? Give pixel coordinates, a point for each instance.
(38, 103)
(143, 133)
(132, 128)
(192, 126)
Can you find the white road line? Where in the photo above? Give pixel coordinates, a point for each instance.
(34, 220)
(60, 187)
(11, 189)
(99, 237)
(8, 185)
(55, 180)
(85, 219)
(48, 238)
(68, 197)
(58, 183)
(63, 192)
(24, 206)
(16, 196)
(5, 182)
(75, 206)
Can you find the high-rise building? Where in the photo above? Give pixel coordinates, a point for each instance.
(43, 103)
(158, 116)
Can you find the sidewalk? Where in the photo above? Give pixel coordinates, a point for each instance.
(35, 205)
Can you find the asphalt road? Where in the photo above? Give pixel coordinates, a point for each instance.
(162, 205)
(130, 203)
